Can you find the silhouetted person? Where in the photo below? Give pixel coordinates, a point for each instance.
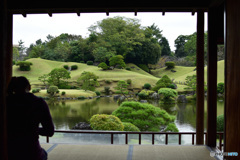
(25, 112)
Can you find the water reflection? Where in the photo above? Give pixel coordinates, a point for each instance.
(67, 113)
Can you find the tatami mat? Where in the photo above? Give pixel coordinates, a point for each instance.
(126, 152)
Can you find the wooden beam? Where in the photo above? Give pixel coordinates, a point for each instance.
(200, 78)
(212, 78)
(232, 79)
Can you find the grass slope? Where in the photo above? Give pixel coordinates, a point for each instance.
(182, 72)
(42, 66)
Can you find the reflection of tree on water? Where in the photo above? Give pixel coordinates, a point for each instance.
(186, 114)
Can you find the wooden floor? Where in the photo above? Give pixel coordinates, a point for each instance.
(126, 152)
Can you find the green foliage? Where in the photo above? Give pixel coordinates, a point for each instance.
(108, 82)
(88, 80)
(158, 86)
(147, 86)
(101, 54)
(191, 82)
(52, 90)
(103, 65)
(122, 86)
(172, 86)
(165, 48)
(144, 67)
(44, 79)
(127, 68)
(171, 127)
(220, 88)
(107, 90)
(129, 81)
(24, 65)
(74, 67)
(168, 94)
(179, 44)
(130, 127)
(89, 62)
(170, 64)
(144, 94)
(63, 93)
(81, 97)
(98, 93)
(165, 80)
(145, 116)
(117, 60)
(66, 67)
(220, 123)
(58, 76)
(106, 122)
(36, 90)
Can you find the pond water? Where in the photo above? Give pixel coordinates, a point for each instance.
(66, 114)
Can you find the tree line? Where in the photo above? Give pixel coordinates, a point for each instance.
(110, 37)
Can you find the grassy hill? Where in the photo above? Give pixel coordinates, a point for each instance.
(42, 66)
(182, 72)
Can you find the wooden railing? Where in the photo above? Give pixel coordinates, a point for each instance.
(112, 133)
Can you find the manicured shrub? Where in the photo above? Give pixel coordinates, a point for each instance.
(145, 116)
(220, 123)
(63, 93)
(220, 88)
(144, 94)
(165, 80)
(36, 90)
(171, 127)
(159, 86)
(106, 122)
(52, 90)
(81, 97)
(98, 93)
(129, 69)
(170, 65)
(64, 86)
(82, 62)
(130, 127)
(172, 86)
(66, 67)
(129, 81)
(108, 82)
(24, 65)
(74, 67)
(147, 86)
(168, 94)
(89, 62)
(103, 65)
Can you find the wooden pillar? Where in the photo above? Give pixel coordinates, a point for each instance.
(5, 71)
(232, 78)
(200, 79)
(212, 78)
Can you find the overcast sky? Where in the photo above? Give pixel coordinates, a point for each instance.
(38, 26)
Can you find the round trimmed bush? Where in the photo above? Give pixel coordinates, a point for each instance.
(36, 90)
(98, 93)
(147, 86)
(220, 123)
(170, 65)
(103, 65)
(66, 67)
(63, 93)
(24, 65)
(52, 90)
(171, 127)
(130, 127)
(74, 67)
(89, 62)
(106, 122)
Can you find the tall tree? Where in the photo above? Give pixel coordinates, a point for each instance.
(179, 44)
(88, 80)
(165, 48)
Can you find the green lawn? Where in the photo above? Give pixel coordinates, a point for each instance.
(182, 72)
(41, 66)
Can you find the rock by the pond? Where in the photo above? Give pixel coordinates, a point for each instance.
(116, 97)
(154, 96)
(82, 126)
(143, 101)
(182, 99)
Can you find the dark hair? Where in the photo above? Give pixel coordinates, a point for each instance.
(17, 84)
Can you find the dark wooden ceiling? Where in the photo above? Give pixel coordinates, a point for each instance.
(88, 6)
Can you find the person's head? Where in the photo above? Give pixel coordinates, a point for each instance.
(19, 85)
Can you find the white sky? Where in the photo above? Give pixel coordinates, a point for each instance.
(38, 26)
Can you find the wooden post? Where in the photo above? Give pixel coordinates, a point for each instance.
(212, 79)
(5, 57)
(232, 79)
(200, 79)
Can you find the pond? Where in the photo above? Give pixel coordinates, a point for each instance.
(66, 114)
